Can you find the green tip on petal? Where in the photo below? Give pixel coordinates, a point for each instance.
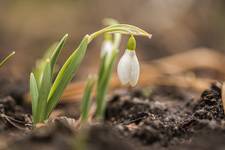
(108, 37)
(131, 44)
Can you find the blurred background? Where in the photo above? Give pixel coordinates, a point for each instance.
(29, 27)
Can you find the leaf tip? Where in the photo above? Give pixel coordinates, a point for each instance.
(149, 36)
(66, 35)
(31, 76)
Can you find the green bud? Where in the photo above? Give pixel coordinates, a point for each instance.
(108, 37)
(131, 44)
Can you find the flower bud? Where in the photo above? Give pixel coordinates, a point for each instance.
(107, 45)
(128, 68)
(131, 44)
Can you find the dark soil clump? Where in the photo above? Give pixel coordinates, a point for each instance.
(13, 116)
(169, 116)
(60, 135)
(210, 106)
(158, 118)
(53, 137)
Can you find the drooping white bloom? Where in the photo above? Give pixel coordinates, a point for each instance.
(107, 47)
(128, 68)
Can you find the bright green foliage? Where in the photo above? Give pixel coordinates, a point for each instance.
(44, 89)
(52, 54)
(65, 75)
(104, 77)
(105, 71)
(85, 105)
(45, 92)
(34, 93)
(41, 81)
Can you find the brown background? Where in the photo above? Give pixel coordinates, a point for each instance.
(29, 27)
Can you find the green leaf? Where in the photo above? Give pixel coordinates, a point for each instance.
(57, 50)
(103, 83)
(40, 64)
(6, 59)
(33, 93)
(52, 53)
(122, 29)
(43, 93)
(108, 69)
(117, 40)
(65, 74)
(85, 105)
(102, 66)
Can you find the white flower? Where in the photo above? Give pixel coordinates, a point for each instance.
(107, 47)
(128, 68)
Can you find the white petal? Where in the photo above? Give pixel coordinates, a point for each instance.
(134, 70)
(128, 68)
(107, 47)
(123, 68)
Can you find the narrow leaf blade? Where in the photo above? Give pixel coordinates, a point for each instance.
(34, 94)
(57, 51)
(129, 29)
(40, 64)
(103, 83)
(122, 29)
(85, 105)
(102, 66)
(65, 74)
(51, 53)
(6, 58)
(44, 92)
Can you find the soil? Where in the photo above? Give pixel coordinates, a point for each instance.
(169, 118)
(156, 117)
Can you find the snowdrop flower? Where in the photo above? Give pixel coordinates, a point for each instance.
(107, 45)
(128, 68)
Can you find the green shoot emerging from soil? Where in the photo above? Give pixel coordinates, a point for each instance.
(6, 58)
(108, 58)
(104, 75)
(45, 92)
(85, 105)
(108, 55)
